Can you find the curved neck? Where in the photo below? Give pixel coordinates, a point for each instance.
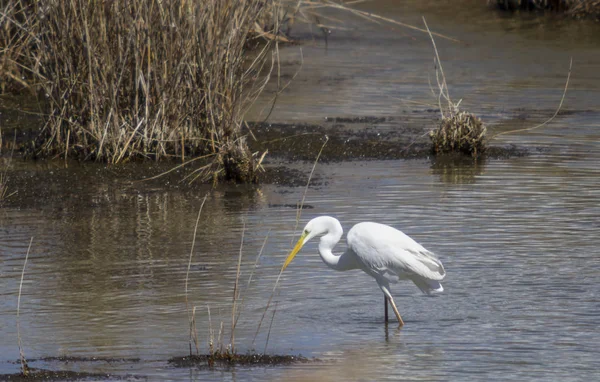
(342, 262)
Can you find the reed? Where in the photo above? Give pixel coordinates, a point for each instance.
(193, 334)
(24, 367)
(132, 79)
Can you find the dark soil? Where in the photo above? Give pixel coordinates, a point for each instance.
(36, 374)
(68, 359)
(349, 139)
(361, 138)
(51, 375)
(227, 360)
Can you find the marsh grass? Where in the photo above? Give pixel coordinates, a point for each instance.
(219, 352)
(153, 79)
(142, 78)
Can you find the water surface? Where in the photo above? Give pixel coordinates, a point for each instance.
(518, 236)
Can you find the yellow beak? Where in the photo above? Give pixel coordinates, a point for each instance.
(292, 254)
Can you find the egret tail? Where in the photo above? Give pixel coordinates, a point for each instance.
(428, 286)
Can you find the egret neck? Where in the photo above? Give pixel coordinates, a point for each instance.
(343, 262)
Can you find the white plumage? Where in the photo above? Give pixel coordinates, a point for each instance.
(381, 251)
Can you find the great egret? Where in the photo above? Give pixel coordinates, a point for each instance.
(381, 251)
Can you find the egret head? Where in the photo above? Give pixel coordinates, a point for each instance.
(317, 226)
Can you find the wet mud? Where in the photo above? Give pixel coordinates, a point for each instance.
(196, 361)
(51, 375)
(288, 144)
(45, 374)
(230, 360)
(351, 139)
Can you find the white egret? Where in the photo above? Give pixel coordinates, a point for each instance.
(381, 251)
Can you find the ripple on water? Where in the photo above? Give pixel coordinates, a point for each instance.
(517, 236)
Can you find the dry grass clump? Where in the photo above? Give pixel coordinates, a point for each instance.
(584, 8)
(459, 132)
(142, 78)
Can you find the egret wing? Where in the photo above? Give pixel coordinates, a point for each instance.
(384, 249)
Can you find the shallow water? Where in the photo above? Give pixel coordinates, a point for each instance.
(518, 236)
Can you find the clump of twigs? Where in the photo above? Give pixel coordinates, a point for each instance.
(459, 131)
(154, 79)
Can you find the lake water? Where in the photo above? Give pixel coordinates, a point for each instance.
(518, 236)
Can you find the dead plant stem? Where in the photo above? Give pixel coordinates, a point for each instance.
(235, 291)
(312, 171)
(187, 275)
(24, 367)
(251, 275)
(553, 116)
(444, 86)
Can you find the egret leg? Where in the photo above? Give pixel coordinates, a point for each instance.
(400, 322)
(391, 300)
(385, 304)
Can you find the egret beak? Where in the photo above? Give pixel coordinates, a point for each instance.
(292, 254)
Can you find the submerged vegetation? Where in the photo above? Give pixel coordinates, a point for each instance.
(141, 78)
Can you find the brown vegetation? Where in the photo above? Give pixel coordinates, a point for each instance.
(142, 78)
(459, 132)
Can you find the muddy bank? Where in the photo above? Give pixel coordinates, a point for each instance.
(77, 363)
(51, 375)
(230, 360)
(349, 139)
(360, 138)
(52, 372)
(92, 186)
(290, 147)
